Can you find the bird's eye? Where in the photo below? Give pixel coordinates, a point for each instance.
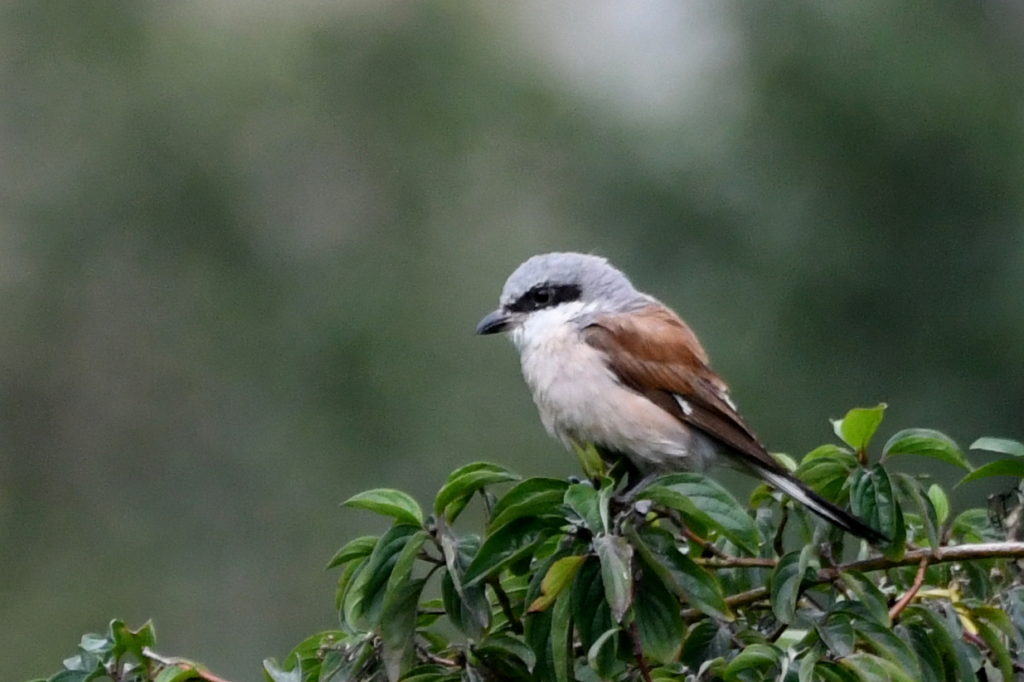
(544, 296)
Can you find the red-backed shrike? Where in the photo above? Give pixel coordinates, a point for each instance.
(613, 367)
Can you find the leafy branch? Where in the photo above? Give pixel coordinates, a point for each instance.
(678, 580)
(986, 550)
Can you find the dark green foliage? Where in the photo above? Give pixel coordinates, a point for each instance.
(678, 581)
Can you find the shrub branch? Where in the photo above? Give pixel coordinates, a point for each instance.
(898, 607)
(983, 550)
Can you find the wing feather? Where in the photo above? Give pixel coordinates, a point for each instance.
(653, 352)
(656, 354)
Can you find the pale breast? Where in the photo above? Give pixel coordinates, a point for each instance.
(580, 399)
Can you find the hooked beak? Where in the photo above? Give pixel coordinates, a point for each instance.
(494, 323)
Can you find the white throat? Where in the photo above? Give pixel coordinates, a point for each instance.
(542, 326)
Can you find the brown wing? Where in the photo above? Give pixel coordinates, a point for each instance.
(653, 352)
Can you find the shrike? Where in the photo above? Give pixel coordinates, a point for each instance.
(613, 367)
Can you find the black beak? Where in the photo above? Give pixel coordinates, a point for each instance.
(493, 323)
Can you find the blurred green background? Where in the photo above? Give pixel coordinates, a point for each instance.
(243, 247)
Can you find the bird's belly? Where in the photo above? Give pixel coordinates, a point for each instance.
(581, 400)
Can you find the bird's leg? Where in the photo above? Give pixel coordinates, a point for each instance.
(625, 499)
(628, 495)
(646, 481)
(621, 470)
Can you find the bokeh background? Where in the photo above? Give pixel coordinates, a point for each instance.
(243, 247)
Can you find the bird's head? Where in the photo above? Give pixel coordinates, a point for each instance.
(557, 287)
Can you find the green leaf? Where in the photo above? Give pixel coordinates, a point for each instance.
(593, 618)
(859, 425)
(827, 471)
(826, 671)
(304, 660)
(885, 643)
(805, 673)
(762, 494)
(972, 525)
(828, 451)
(537, 626)
(603, 648)
(997, 649)
(389, 502)
(700, 498)
(870, 668)
(405, 560)
(397, 625)
(470, 615)
(343, 664)
(561, 638)
(706, 641)
(784, 586)
(429, 615)
(873, 500)
(787, 462)
(365, 596)
(945, 634)
(534, 497)
(100, 645)
(867, 595)
(1000, 467)
(927, 443)
(977, 579)
(998, 618)
(836, 633)
(128, 641)
(585, 502)
(465, 481)
(658, 620)
(764, 658)
(940, 501)
(932, 667)
(354, 549)
(345, 581)
(466, 605)
(558, 577)
(615, 555)
(1003, 446)
(692, 583)
(911, 489)
(507, 655)
(509, 543)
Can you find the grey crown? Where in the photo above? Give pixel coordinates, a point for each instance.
(598, 280)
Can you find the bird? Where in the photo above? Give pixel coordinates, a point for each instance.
(610, 366)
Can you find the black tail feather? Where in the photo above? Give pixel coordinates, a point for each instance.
(835, 515)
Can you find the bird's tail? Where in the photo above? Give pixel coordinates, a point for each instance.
(800, 492)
